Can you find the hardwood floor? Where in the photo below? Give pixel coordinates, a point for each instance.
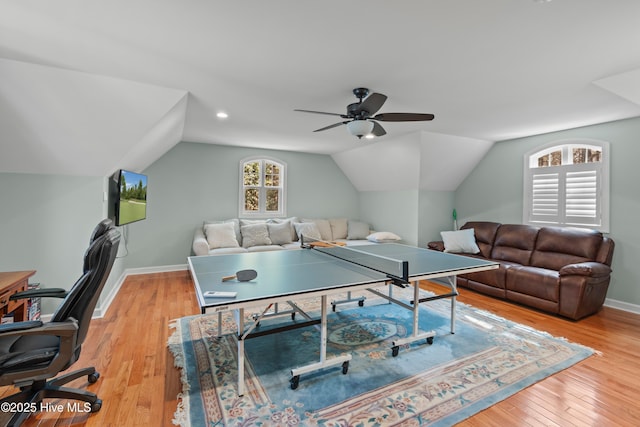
(139, 384)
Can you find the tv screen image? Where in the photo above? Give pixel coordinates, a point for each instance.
(132, 197)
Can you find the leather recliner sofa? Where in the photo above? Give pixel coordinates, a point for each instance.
(563, 271)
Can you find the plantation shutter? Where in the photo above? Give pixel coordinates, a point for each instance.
(581, 200)
(545, 197)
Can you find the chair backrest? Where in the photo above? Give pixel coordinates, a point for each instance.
(81, 300)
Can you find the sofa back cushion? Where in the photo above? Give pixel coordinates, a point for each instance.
(557, 247)
(514, 243)
(485, 233)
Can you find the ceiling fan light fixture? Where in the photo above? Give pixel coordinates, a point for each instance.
(360, 128)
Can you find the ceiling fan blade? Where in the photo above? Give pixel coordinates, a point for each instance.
(322, 112)
(403, 117)
(335, 125)
(377, 129)
(373, 103)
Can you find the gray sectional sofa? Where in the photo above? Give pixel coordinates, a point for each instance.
(251, 235)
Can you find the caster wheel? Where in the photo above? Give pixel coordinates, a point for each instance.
(95, 406)
(430, 340)
(361, 303)
(92, 378)
(345, 368)
(294, 382)
(394, 350)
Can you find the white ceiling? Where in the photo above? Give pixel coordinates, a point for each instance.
(88, 86)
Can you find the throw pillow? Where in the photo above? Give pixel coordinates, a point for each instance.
(308, 229)
(383, 237)
(221, 235)
(338, 228)
(255, 235)
(290, 221)
(236, 226)
(323, 227)
(280, 234)
(357, 230)
(461, 241)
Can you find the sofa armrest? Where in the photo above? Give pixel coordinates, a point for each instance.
(200, 244)
(590, 269)
(436, 246)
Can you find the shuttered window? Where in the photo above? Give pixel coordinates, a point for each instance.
(568, 185)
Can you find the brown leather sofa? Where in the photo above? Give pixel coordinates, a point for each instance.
(564, 271)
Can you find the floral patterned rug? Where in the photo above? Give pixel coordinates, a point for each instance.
(485, 361)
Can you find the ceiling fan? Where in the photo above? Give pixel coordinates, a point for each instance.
(362, 121)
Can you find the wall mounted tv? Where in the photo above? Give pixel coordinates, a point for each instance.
(129, 197)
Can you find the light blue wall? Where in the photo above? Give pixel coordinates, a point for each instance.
(45, 225)
(493, 191)
(395, 211)
(434, 215)
(196, 182)
(416, 216)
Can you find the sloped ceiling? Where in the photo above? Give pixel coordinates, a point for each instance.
(420, 161)
(87, 87)
(57, 121)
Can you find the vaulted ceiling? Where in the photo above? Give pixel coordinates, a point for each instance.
(87, 86)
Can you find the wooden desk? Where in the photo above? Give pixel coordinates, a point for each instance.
(10, 283)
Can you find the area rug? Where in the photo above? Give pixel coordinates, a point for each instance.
(485, 361)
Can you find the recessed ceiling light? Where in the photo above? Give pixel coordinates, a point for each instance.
(370, 136)
(222, 115)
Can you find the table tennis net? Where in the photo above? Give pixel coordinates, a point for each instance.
(393, 268)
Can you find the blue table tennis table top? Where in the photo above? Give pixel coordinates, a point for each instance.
(289, 273)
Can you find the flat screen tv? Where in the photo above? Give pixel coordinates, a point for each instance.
(130, 198)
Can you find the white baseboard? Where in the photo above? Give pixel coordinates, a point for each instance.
(621, 305)
(101, 310)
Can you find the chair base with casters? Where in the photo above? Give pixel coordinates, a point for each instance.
(31, 396)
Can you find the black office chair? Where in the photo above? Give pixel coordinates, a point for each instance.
(32, 353)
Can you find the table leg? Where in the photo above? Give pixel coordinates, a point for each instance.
(240, 322)
(324, 362)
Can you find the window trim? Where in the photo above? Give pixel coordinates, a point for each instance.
(282, 212)
(602, 169)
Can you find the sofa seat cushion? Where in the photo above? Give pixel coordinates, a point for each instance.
(534, 281)
(495, 278)
(225, 251)
(292, 245)
(514, 243)
(266, 248)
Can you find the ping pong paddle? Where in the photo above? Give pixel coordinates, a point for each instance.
(242, 276)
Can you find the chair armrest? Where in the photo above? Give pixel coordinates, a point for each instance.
(19, 326)
(436, 246)
(590, 269)
(39, 293)
(36, 327)
(200, 244)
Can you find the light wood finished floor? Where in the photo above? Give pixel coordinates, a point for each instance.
(139, 384)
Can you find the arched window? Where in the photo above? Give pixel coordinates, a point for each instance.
(567, 183)
(262, 187)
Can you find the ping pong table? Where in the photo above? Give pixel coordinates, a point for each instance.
(289, 275)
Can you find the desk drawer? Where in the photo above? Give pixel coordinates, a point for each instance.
(12, 305)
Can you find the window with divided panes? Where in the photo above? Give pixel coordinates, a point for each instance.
(262, 187)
